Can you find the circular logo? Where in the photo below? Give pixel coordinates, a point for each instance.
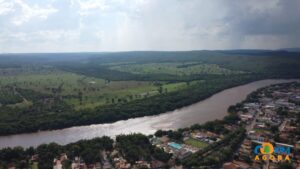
(267, 148)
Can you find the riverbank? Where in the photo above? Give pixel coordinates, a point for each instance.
(271, 110)
(214, 107)
(60, 116)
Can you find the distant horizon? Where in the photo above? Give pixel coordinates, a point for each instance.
(293, 49)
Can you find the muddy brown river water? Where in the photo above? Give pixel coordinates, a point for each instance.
(214, 107)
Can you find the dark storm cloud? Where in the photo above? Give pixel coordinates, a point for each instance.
(283, 18)
(273, 19)
(114, 25)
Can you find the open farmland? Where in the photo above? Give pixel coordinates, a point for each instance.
(81, 91)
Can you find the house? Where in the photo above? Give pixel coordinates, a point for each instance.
(251, 105)
(269, 106)
(57, 164)
(164, 139)
(283, 103)
(246, 117)
(256, 137)
(121, 163)
(78, 163)
(297, 145)
(142, 164)
(183, 154)
(63, 157)
(98, 166)
(155, 164)
(35, 157)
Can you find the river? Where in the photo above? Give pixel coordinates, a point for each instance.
(214, 107)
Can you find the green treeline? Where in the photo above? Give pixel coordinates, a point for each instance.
(43, 115)
(86, 149)
(133, 147)
(8, 96)
(137, 147)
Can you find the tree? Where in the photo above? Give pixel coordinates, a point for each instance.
(160, 89)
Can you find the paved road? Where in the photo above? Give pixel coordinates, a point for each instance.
(250, 126)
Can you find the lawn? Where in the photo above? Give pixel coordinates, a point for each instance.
(34, 165)
(195, 143)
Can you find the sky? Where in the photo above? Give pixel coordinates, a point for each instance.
(135, 25)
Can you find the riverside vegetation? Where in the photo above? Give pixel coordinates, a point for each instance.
(230, 133)
(54, 91)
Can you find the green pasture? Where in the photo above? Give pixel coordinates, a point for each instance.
(92, 91)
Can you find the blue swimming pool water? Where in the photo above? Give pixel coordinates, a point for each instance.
(175, 145)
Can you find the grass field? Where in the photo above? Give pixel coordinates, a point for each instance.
(81, 92)
(34, 165)
(195, 143)
(92, 91)
(188, 68)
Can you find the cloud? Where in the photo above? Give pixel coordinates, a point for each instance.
(27, 12)
(263, 24)
(114, 25)
(88, 6)
(5, 7)
(92, 4)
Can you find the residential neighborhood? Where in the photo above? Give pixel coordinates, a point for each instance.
(270, 115)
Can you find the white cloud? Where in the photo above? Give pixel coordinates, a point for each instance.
(29, 12)
(87, 6)
(56, 35)
(92, 4)
(5, 7)
(20, 36)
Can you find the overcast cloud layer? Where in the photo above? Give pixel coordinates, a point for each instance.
(124, 25)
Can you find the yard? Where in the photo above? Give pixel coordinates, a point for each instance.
(195, 143)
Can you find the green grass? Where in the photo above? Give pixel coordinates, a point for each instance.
(187, 68)
(195, 143)
(95, 91)
(34, 165)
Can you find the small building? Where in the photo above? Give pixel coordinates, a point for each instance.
(184, 153)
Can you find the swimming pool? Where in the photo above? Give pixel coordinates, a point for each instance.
(175, 145)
